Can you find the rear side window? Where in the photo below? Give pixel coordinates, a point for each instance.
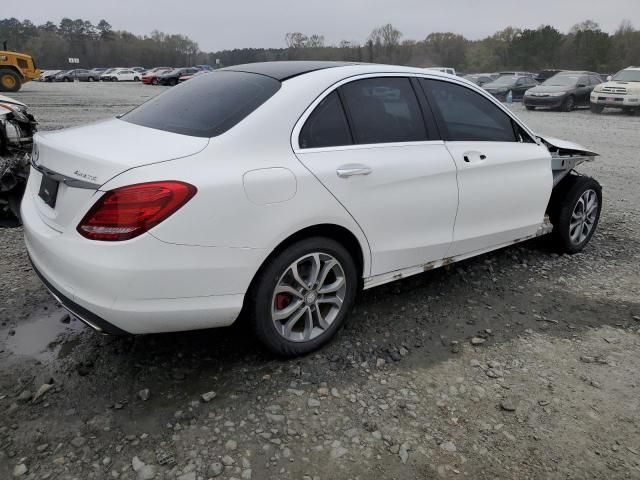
(384, 110)
(206, 106)
(327, 126)
(467, 115)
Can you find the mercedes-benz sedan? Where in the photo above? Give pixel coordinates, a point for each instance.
(281, 189)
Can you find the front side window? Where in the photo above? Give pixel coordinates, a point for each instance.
(326, 126)
(206, 106)
(467, 115)
(384, 110)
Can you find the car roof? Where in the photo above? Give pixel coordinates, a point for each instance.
(286, 69)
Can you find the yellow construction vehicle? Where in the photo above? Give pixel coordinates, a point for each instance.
(16, 69)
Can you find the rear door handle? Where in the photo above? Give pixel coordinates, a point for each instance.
(474, 157)
(346, 171)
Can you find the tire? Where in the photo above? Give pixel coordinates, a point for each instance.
(154, 82)
(569, 104)
(596, 108)
(136, 79)
(529, 107)
(10, 81)
(306, 332)
(568, 203)
(91, 79)
(67, 79)
(629, 111)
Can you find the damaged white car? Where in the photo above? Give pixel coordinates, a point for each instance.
(280, 189)
(17, 127)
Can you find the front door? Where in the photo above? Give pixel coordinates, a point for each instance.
(504, 177)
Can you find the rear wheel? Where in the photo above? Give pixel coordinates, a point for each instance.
(596, 108)
(575, 213)
(9, 81)
(91, 79)
(302, 296)
(569, 104)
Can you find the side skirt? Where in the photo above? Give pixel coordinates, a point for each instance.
(377, 280)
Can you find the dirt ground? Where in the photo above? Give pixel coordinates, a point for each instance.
(553, 392)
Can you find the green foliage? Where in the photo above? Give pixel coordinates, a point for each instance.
(585, 46)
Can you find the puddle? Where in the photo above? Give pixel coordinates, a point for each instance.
(45, 335)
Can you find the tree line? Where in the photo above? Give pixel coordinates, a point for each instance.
(585, 46)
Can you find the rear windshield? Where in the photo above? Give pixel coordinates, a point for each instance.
(207, 105)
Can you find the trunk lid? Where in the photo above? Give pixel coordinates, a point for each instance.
(82, 159)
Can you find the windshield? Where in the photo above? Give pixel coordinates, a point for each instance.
(504, 81)
(561, 81)
(207, 105)
(627, 76)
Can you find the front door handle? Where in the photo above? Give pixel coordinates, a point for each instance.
(346, 171)
(474, 157)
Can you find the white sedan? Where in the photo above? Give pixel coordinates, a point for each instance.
(280, 189)
(123, 75)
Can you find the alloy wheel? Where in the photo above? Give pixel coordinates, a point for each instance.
(308, 297)
(584, 216)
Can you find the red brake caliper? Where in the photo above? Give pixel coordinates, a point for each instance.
(282, 301)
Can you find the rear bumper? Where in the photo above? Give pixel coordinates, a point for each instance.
(139, 286)
(91, 319)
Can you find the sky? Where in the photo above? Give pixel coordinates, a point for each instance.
(219, 25)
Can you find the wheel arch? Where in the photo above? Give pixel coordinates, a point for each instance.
(333, 231)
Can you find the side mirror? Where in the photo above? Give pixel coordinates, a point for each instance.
(609, 78)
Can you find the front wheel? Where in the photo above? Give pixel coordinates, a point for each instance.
(302, 296)
(596, 108)
(136, 79)
(569, 104)
(10, 81)
(575, 212)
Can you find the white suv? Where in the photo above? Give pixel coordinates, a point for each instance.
(622, 91)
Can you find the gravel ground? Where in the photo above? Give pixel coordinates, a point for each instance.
(520, 364)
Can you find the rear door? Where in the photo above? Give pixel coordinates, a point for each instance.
(368, 143)
(504, 177)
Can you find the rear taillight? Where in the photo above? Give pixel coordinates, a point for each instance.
(127, 212)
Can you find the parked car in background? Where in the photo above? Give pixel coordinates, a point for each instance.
(98, 72)
(48, 75)
(79, 74)
(479, 78)
(205, 68)
(544, 75)
(184, 78)
(124, 75)
(106, 75)
(565, 90)
(515, 74)
(623, 91)
(144, 224)
(501, 87)
(173, 77)
(150, 77)
(450, 71)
